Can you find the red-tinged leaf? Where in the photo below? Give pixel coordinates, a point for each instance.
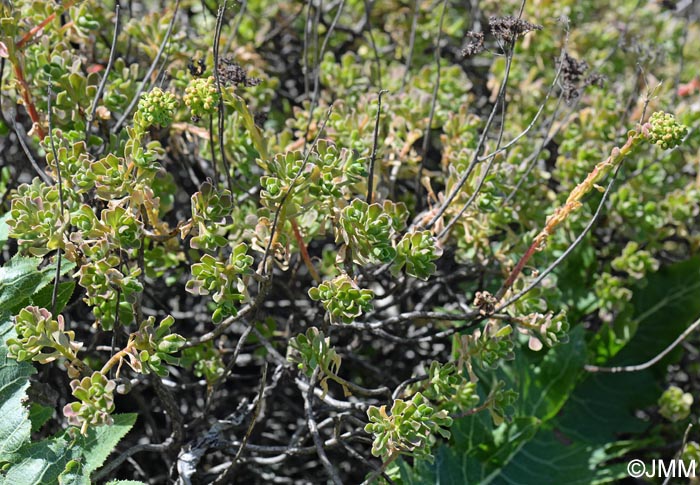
(95, 68)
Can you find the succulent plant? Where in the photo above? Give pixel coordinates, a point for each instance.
(612, 293)
(141, 207)
(501, 400)
(95, 403)
(447, 388)
(368, 230)
(102, 282)
(409, 427)
(155, 346)
(545, 329)
(415, 253)
(674, 404)
(635, 262)
(312, 350)
(41, 338)
(488, 347)
(222, 280)
(343, 299)
(210, 208)
(205, 361)
(122, 227)
(35, 218)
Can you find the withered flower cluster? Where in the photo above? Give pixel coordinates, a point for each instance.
(572, 71)
(475, 46)
(505, 29)
(230, 72)
(509, 28)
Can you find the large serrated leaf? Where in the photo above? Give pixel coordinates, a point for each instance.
(20, 280)
(670, 296)
(39, 415)
(545, 386)
(43, 297)
(41, 462)
(603, 407)
(478, 459)
(74, 474)
(15, 427)
(479, 451)
(101, 440)
(549, 458)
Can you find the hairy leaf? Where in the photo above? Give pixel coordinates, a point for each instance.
(74, 474)
(15, 427)
(20, 279)
(101, 440)
(41, 462)
(43, 297)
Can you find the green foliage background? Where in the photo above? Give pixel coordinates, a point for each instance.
(348, 185)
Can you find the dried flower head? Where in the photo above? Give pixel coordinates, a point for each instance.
(509, 28)
(485, 302)
(595, 79)
(571, 72)
(231, 72)
(572, 69)
(475, 45)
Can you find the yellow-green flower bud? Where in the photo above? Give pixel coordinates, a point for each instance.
(664, 130)
(201, 96)
(157, 107)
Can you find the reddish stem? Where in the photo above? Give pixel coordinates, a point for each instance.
(28, 104)
(471, 411)
(518, 269)
(28, 36)
(304, 251)
(26, 96)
